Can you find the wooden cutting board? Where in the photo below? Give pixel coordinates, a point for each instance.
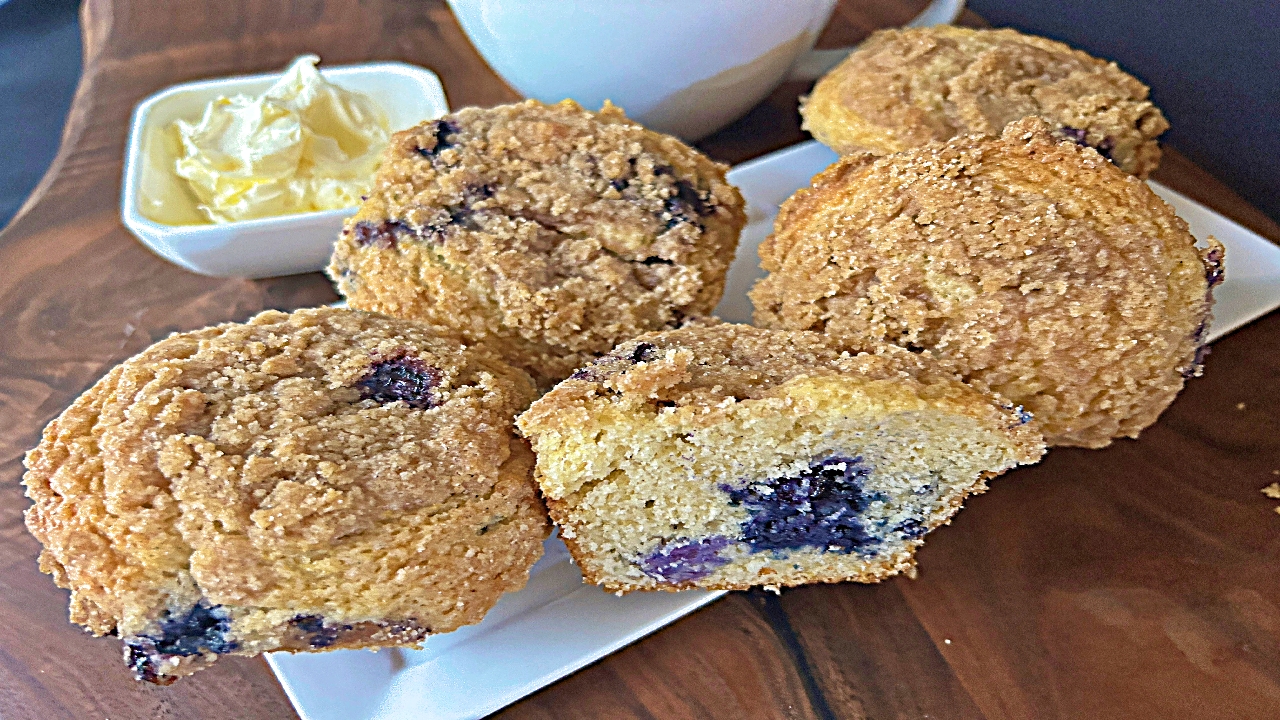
(1140, 581)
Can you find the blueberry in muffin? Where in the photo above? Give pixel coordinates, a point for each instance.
(726, 456)
(1027, 263)
(549, 231)
(309, 481)
(903, 88)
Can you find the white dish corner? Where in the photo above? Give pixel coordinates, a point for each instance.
(264, 247)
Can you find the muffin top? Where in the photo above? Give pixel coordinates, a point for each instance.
(1027, 263)
(700, 372)
(550, 230)
(232, 464)
(903, 88)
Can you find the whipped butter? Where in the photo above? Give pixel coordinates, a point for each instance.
(305, 145)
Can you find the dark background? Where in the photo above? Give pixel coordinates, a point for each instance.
(39, 67)
(1214, 68)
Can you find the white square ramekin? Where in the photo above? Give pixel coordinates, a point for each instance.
(264, 247)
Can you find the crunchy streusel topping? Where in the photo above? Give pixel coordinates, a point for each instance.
(231, 487)
(551, 231)
(707, 366)
(1028, 263)
(903, 88)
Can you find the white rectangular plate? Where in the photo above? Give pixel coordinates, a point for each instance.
(557, 625)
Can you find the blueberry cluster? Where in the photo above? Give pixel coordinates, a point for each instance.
(819, 508)
(463, 215)
(202, 629)
(1077, 135)
(1213, 273)
(403, 378)
(318, 634)
(443, 131)
(383, 235)
(680, 561)
(644, 352)
(686, 206)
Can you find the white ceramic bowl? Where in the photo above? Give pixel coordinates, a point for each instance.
(157, 208)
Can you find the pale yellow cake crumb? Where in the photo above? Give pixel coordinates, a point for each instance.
(727, 456)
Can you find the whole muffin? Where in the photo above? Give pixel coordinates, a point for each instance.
(552, 232)
(1029, 264)
(309, 481)
(728, 456)
(903, 88)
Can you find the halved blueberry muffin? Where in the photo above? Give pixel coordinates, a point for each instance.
(726, 456)
(308, 481)
(550, 231)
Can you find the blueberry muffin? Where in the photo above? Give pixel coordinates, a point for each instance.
(552, 232)
(903, 88)
(309, 481)
(1028, 263)
(726, 456)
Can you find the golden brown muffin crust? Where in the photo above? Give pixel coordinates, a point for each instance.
(325, 467)
(1028, 263)
(552, 231)
(707, 366)
(903, 88)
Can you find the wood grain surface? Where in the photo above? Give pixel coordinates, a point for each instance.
(1138, 581)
